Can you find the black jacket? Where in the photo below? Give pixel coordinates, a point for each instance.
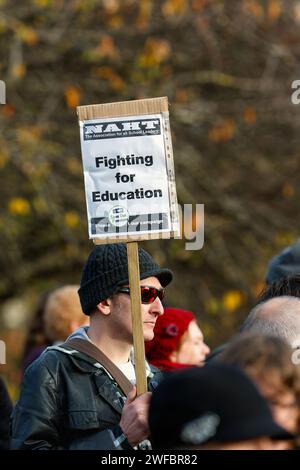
(5, 412)
(68, 403)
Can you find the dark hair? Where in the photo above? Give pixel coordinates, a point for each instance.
(36, 336)
(288, 286)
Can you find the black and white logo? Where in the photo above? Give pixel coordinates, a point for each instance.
(117, 129)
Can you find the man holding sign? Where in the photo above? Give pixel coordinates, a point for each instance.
(74, 398)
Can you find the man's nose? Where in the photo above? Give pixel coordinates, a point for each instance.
(157, 307)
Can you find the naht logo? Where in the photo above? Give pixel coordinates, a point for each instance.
(129, 128)
(2, 352)
(2, 92)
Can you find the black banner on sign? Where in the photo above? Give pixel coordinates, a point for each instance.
(117, 129)
(135, 223)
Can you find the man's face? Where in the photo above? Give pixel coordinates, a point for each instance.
(120, 317)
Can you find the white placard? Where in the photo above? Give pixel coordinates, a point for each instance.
(128, 178)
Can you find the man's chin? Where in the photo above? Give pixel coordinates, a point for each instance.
(148, 335)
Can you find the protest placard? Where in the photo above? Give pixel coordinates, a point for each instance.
(128, 170)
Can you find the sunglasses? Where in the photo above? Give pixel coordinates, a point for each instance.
(148, 294)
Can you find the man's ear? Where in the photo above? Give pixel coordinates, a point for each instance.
(104, 306)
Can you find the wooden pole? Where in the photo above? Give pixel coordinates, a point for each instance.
(137, 324)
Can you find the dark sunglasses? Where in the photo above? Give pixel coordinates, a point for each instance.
(148, 294)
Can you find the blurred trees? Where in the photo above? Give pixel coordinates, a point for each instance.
(226, 67)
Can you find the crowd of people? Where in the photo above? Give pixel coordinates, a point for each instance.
(79, 385)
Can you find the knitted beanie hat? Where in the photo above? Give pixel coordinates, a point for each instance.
(215, 403)
(107, 269)
(168, 331)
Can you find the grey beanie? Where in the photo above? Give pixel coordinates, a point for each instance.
(107, 269)
(286, 263)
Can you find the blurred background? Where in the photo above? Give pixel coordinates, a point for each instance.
(227, 69)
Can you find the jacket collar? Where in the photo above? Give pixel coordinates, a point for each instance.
(104, 382)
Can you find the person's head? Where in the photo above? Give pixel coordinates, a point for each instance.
(104, 290)
(36, 335)
(285, 286)
(268, 362)
(279, 316)
(63, 313)
(286, 263)
(216, 406)
(178, 341)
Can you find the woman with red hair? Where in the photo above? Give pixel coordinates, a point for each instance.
(178, 341)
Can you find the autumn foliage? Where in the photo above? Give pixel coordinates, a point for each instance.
(226, 67)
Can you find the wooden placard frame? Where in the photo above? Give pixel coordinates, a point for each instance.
(135, 108)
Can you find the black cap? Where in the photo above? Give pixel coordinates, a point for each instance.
(286, 263)
(107, 268)
(215, 403)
